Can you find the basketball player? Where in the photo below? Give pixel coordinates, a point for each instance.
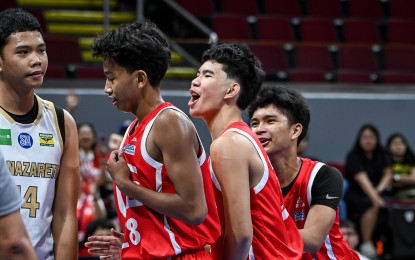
(312, 190)
(163, 192)
(38, 140)
(255, 223)
(14, 241)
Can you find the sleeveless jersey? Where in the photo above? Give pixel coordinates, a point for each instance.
(298, 201)
(149, 234)
(275, 235)
(33, 153)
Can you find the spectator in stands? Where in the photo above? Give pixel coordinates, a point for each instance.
(369, 174)
(97, 227)
(312, 190)
(403, 168)
(92, 166)
(351, 236)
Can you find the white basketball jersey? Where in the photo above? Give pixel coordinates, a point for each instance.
(33, 153)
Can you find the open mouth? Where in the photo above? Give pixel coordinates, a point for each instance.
(194, 97)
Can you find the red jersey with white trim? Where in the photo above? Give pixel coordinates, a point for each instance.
(147, 233)
(275, 235)
(298, 201)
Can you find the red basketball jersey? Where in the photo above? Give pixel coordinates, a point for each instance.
(298, 201)
(147, 233)
(275, 234)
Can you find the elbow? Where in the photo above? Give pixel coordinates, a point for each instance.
(197, 214)
(18, 247)
(312, 247)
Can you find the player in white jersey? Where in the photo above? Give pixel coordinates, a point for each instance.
(39, 141)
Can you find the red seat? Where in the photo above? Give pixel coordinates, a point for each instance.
(308, 75)
(357, 58)
(365, 9)
(275, 28)
(360, 30)
(402, 8)
(282, 7)
(55, 72)
(312, 57)
(399, 58)
(272, 57)
(198, 8)
(354, 76)
(398, 77)
(62, 50)
(315, 29)
(89, 72)
(246, 7)
(231, 27)
(400, 31)
(324, 8)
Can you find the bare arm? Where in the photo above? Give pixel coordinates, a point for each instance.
(64, 223)
(363, 180)
(14, 242)
(231, 167)
(319, 221)
(405, 179)
(173, 141)
(385, 181)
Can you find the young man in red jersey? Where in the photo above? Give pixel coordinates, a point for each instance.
(312, 190)
(163, 193)
(254, 221)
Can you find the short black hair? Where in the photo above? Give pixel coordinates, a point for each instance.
(16, 20)
(240, 64)
(289, 101)
(136, 46)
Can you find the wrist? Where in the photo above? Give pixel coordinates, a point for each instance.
(396, 177)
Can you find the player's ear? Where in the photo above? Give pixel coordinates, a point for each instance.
(233, 90)
(297, 129)
(141, 78)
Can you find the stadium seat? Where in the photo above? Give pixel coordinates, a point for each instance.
(231, 27)
(202, 8)
(365, 9)
(272, 57)
(315, 29)
(309, 75)
(89, 72)
(399, 58)
(398, 77)
(62, 50)
(275, 28)
(400, 31)
(282, 8)
(402, 8)
(246, 7)
(357, 58)
(360, 30)
(324, 8)
(355, 76)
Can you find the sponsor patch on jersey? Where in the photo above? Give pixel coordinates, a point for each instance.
(299, 216)
(5, 136)
(46, 140)
(25, 140)
(299, 203)
(130, 149)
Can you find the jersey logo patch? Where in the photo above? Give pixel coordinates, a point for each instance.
(46, 140)
(25, 140)
(299, 216)
(5, 136)
(299, 203)
(129, 149)
(330, 197)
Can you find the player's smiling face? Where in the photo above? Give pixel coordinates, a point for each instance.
(272, 129)
(208, 90)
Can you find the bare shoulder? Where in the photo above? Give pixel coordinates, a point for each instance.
(172, 122)
(231, 145)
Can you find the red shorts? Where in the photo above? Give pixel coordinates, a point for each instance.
(193, 255)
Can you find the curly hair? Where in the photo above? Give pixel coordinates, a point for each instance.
(240, 64)
(289, 102)
(136, 46)
(16, 20)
